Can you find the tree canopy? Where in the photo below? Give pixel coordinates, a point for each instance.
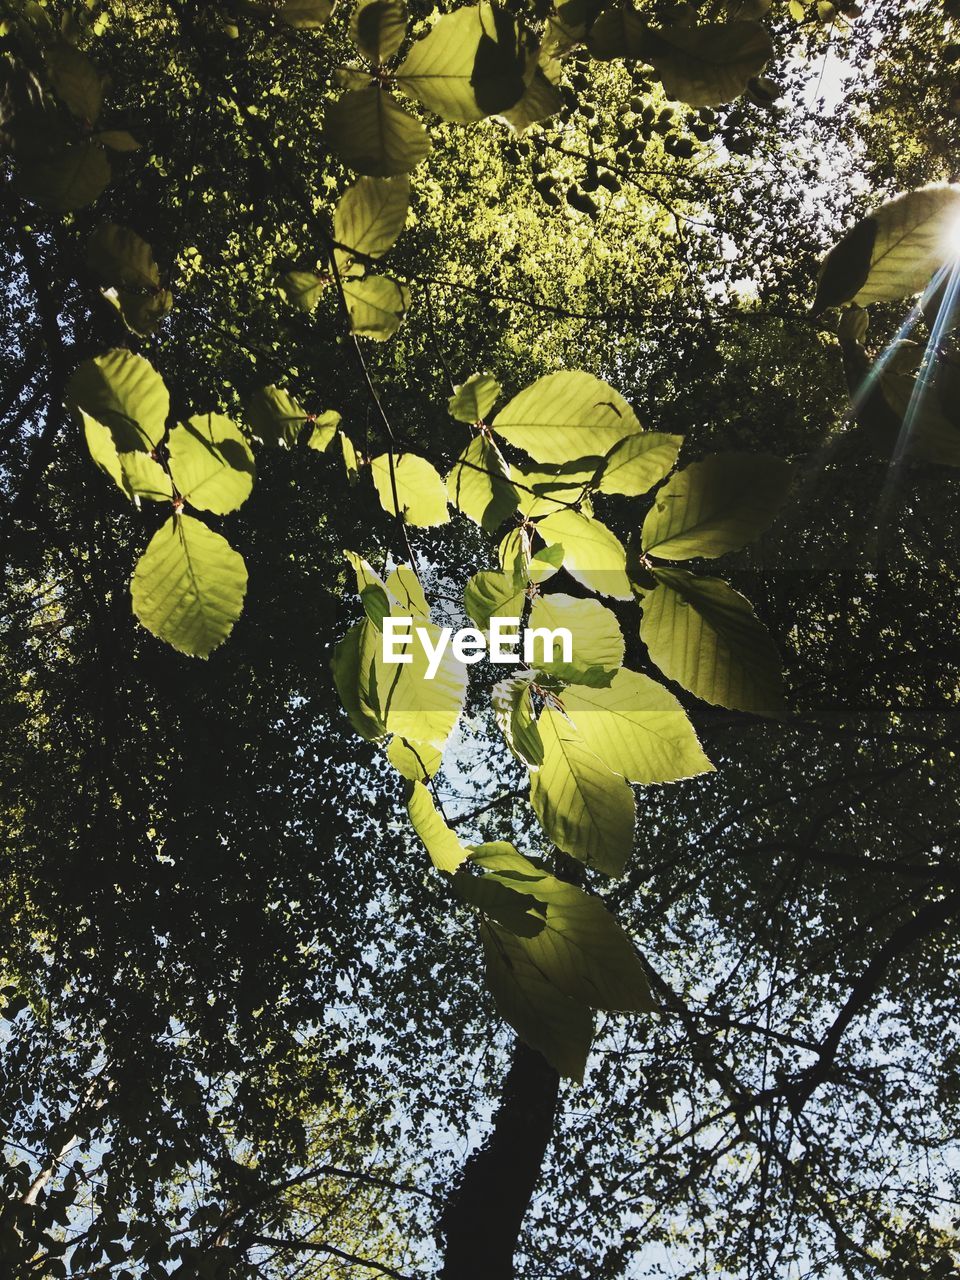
(635, 320)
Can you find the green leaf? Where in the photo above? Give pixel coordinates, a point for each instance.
(372, 133)
(493, 593)
(71, 179)
(304, 289)
(581, 950)
(135, 473)
(545, 1019)
(715, 506)
(934, 425)
(141, 312)
(120, 257)
(541, 100)
(637, 728)
(324, 427)
(707, 65)
(635, 465)
(513, 711)
(351, 462)
(211, 463)
(117, 140)
(126, 394)
(307, 15)
(352, 667)
(566, 415)
(473, 399)
(412, 705)
(513, 553)
(378, 28)
(597, 640)
(557, 488)
(417, 761)
(76, 81)
(618, 32)
(405, 588)
(584, 807)
(703, 634)
(591, 553)
(274, 417)
(419, 489)
(499, 902)
(893, 253)
(371, 214)
(479, 485)
(472, 63)
(545, 563)
(376, 604)
(188, 586)
(441, 843)
(376, 305)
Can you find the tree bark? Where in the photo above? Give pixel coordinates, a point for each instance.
(485, 1212)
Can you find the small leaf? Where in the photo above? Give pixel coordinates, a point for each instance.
(376, 305)
(513, 711)
(352, 667)
(378, 28)
(473, 399)
(371, 214)
(120, 257)
(188, 586)
(635, 465)
(441, 843)
(211, 463)
(715, 506)
(420, 491)
(323, 429)
(274, 417)
(117, 140)
(372, 133)
(591, 553)
(350, 461)
(479, 485)
(892, 253)
(566, 415)
(417, 761)
(136, 474)
(304, 289)
(126, 394)
(471, 63)
(703, 634)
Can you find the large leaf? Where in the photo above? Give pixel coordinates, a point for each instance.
(371, 214)
(71, 179)
(542, 1016)
(591, 553)
(635, 465)
(376, 305)
(473, 400)
(308, 15)
(274, 416)
(566, 415)
(372, 133)
(703, 634)
(706, 65)
(420, 491)
(304, 289)
(188, 586)
(479, 484)
(378, 28)
(585, 807)
(595, 632)
(500, 902)
(637, 728)
(211, 463)
(581, 950)
(440, 841)
(126, 394)
(715, 506)
(413, 704)
(541, 100)
(136, 474)
(352, 666)
(76, 81)
(472, 63)
(417, 761)
(894, 252)
(555, 488)
(120, 257)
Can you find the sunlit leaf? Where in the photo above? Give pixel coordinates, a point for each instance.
(376, 305)
(513, 711)
(136, 474)
(566, 415)
(352, 667)
(417, 761)
(420, 491)
(440, 841)
(188, 586)
(492, 593)
(323, 428)
(413, 704)
(373, 134)
(370, 215)
(274, 417)
(473, 399)
(703, 634)
(211, 463)
(304, 289)
(479, 484)
(378, 28)
(596, 635)
(126, 394)
(635, 465)
(591, 553)
(715, 506)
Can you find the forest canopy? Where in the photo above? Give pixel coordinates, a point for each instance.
(633, 320)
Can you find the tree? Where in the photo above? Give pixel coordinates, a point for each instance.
(200, 872)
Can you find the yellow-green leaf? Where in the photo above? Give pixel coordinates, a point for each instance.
(591, 553)
(479, 484)
(372, 133)
(473, 399)
(419, 489)
(378, 28)
(440, 841)
(635, 465)
(596, 635)
(126, 394)
(274, 416)
(371, 214)
(417, 761)
(211, 463)
(376, 305)
(565, 416)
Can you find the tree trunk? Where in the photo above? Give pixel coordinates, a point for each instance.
(485, 1212)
